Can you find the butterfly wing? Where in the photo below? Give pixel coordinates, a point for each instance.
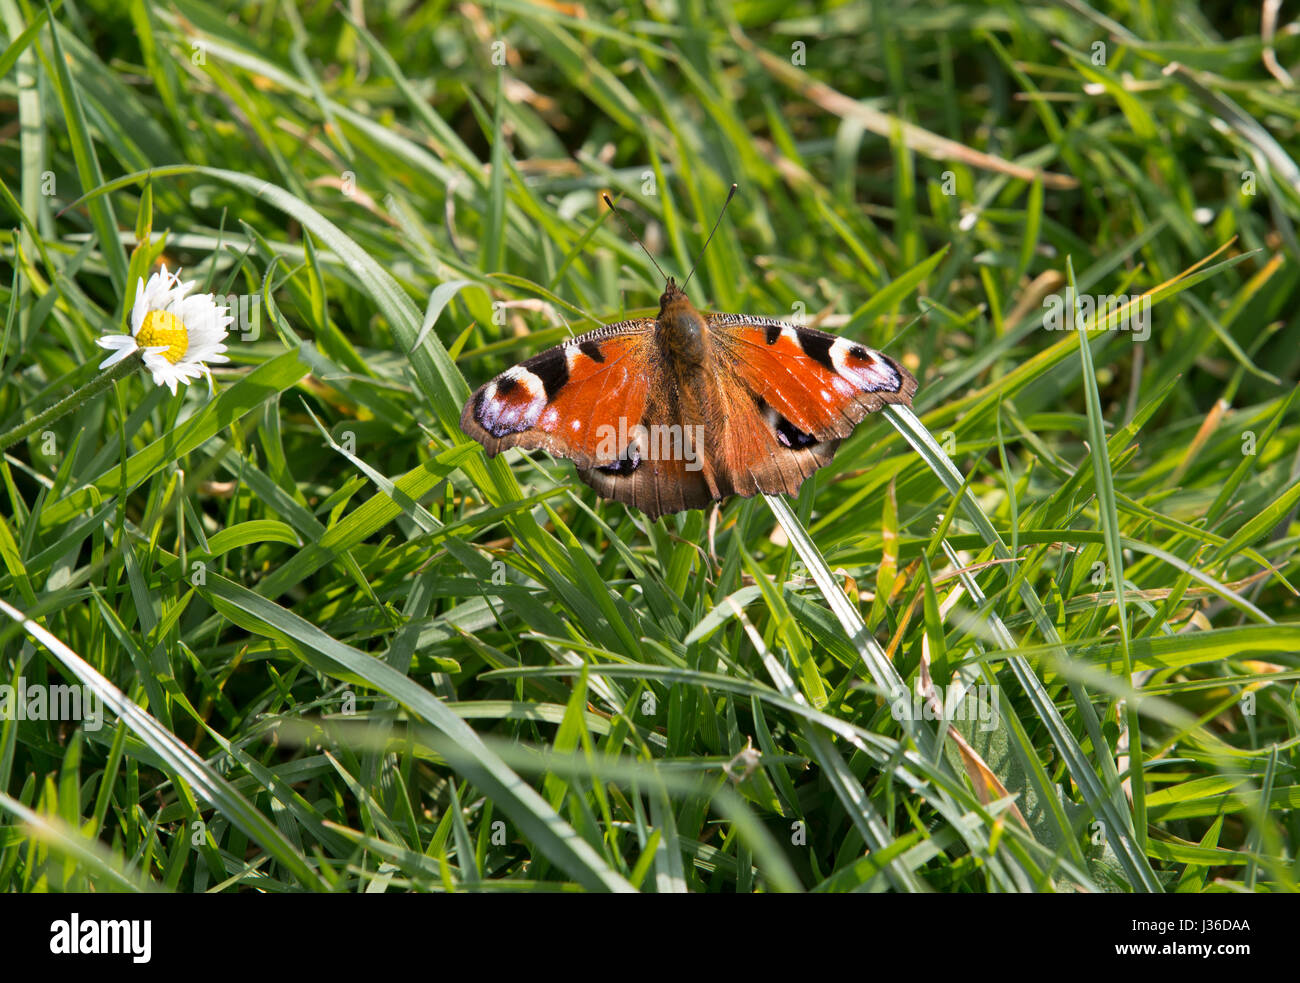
(655, 486)
(750, 455)
(816, 384)
(558, 400)
(804, 391)
(606, 401)
(704, 438)
(769, 409)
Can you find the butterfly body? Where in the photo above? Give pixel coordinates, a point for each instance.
(681, 332)
(686, 408)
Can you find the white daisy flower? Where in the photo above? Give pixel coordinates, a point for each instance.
(178, 335)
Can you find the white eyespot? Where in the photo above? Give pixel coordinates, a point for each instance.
(868, 371)
(549, 419)
(518, 407)
(576, 425)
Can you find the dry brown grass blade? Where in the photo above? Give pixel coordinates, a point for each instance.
(883, 124)
(987, 786)
(1210, 424)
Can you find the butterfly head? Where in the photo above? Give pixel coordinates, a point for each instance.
(680, 328)
(672, 295)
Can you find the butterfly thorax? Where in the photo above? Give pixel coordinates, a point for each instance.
(680, 330)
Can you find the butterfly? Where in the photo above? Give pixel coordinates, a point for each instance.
(676, 411)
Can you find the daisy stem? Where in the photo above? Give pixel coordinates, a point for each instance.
(71, 402)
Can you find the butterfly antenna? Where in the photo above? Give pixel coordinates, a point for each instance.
(730, 194)
(614, 208)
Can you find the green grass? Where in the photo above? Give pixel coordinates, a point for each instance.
(341, 650)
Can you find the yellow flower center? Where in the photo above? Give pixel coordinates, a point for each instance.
(164, 328)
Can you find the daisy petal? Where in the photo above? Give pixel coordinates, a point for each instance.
(119, 344)
(140, 308)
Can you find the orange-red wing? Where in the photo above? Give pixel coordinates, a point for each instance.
(568, 399)
(817, 385)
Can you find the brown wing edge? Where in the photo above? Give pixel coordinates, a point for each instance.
(655, 494)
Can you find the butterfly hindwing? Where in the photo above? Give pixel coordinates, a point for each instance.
(752, 453)
(698, 447)
(655, 486)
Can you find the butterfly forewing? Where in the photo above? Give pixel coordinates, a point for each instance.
(811, 384)
(556, 401)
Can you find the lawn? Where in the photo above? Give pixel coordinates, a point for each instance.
(1039, 632)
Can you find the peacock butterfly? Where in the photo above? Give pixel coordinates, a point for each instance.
(683, 409)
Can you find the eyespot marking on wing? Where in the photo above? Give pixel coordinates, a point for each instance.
(787, 434)
(511, 402)
(863, 367)
(624, 465)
